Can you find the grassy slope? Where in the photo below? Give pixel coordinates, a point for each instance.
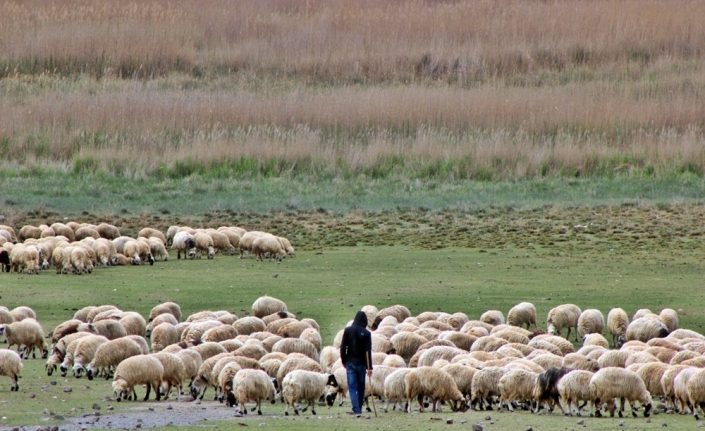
(330, 285)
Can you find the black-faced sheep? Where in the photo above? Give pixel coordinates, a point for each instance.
(186, 243)
(645, 328)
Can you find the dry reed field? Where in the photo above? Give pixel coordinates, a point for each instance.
(450, 89)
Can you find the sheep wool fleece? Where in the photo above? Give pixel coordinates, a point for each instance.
(355, 354)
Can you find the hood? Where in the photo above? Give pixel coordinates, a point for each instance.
(360, 319)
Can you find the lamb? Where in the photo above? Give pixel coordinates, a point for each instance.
(27, 334)
(204, 243)
(522, 314)
(137, 370)
(591, 322)
(575, 387)
(302, 385)
(109, 355)
(613, 382)
(563, 316)
(433, 383)
(11, 366)
(267, 245)
(645, 328)
(617, 323)
(107, 231)
(251, 385)
(186, 243)
(516, 385)
(493, 317)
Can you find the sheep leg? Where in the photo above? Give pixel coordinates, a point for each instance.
(259, 407)
(621, 407)
(313, 407)
(149, 389)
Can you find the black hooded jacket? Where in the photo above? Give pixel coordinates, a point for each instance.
(357, 342)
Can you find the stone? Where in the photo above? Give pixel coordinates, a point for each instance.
(477, 427)
(449, 421)
(68, 389)
(581, 422)
(488, 418)
(96, 406)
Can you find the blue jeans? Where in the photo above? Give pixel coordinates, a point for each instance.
(356, 386)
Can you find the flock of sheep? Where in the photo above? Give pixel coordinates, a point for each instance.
(431, 358)
(78, 247)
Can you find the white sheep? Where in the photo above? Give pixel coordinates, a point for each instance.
(107, 231)
(137, 370)
(149, 232)
(617, 323)
(575, 387)
(394, 387)
(485, 385)
(645, 328)
(10, 366)
(493, 317)
(186, 243)
(251, 386)
(614, 382)
(433, 383)
(267, 305)
(27, 334)
(158, 249)
(302, 385)
(109, 355)
(669, 317)
(267, 246)
(595, 340)
(522, 314)
(516, 385)
(84, 354)
(591, 322)
(174, 372)
(221, 243)
(563, 316)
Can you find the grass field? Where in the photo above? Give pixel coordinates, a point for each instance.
(330, 285)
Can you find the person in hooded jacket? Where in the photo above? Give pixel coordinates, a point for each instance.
(356, 356)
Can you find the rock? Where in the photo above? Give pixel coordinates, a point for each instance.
(53, 383)
(665, 425)
(488, 418)
(151, 409)
(620, 423)
(138, 426)
(477, 427)
(366, 417)
(648, 421)
(581, 422)
(68, 389)
(58, 418)
(701, 424)
(32, 396)
(528, 428)
(170, 407)
(463, 421)
(96, 406)
(109, 408)
(449, 421)
(54, 428)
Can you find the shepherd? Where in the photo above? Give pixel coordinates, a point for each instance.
(356, 356)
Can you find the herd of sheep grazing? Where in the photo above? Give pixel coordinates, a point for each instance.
(433, 358)
(79, 247)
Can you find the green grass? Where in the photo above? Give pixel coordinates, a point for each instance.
(331, 285)
(68, 195)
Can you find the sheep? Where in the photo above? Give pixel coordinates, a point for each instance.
(102, 252)
(5, 260)
(86, 349)
(591, 322)
(29, 231)
(157, 249)
(561, 343)
(171, 308)
(136, 370)
(148, 232)
(48, 232)
(641, 313)
(295, 345)
(60, 349)
(580, 362)
(663, 354)
(522, 314)
(614, 382)
(302, 385)
(488, 344)
(651, 374)
(107, 231)
(186, 243)
(163, 335)
(80, 261)
(27, 334)
(613, 358)
(24, 259)
(192, 362)
(286, 246)
(667, 381)
(109, 355)
(204, 377)
(394, 387)
(312, 336)
(407, 343)
(645, 328)
(493, 317)
(669, 317)
(681, 334)
(433, 383)
(226, 373)
(221, 243)
(394, 361)
(204, 243)
(683, 356)
(133, 323)
(192, 335)
(251, 351)
(5, 315)
(294, 362)
(219, 333)
(23, 312)
(267, 305)
(595, 340)
(563, 316)
(111, 329)
(10, 231)
(485, 385)
(680, 387)
(86, 232)
(170, 233)
(399, 312)
(251, 385)
(208, 350)
(575, 387)
(327, 358)
(174, 372)
(63, 230)
(267, 245)
(510, 336)
(516, 385)
(429, 356)
(11, 366)
(144, 251)
(617, 323)
(233, 237)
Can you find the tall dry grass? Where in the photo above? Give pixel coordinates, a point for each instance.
(484, 89)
